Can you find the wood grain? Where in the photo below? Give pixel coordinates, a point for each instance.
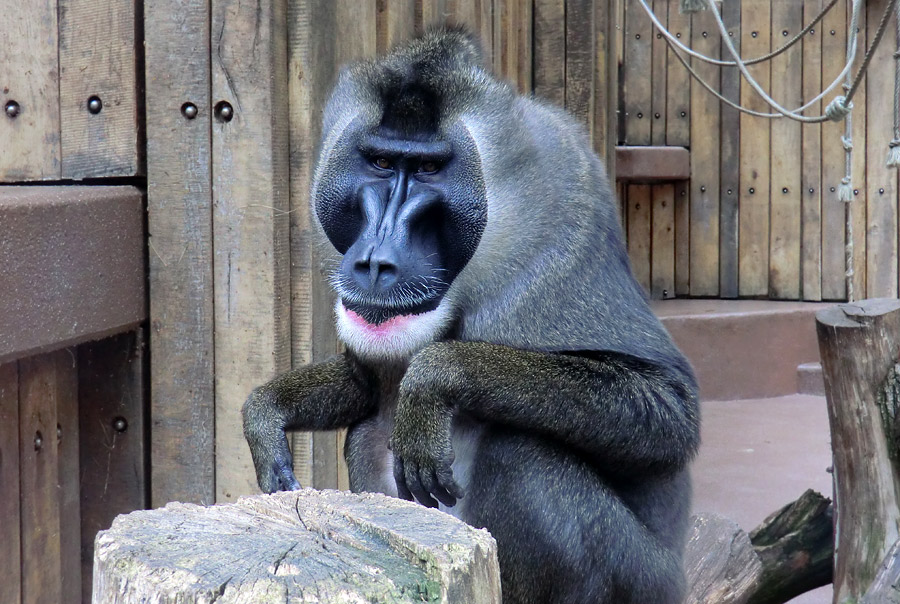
(678, 81)
(179, 200)
(682, 238)
(10, 510)
(729, 160)
(658, 84)
(98, 57)
(704, 188)
(753, 262)
(859, 210)
(67, 406)
(636, 68)
(639, 232)
(811, 170)
(786, 162)
(662, 260)
(550, 51)
(28, 53)
(395, 22)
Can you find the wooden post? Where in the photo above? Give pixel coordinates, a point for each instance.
(322, 546)
(859, 345)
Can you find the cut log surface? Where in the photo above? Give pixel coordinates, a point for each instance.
(302, 546)
(720, 562)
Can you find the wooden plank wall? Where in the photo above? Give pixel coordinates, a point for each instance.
(760, 216)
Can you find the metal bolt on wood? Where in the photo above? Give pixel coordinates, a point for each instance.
(12, 109)
(120, 424)
(95, 105)
(224, 111)
(189, 110)
(38, 440)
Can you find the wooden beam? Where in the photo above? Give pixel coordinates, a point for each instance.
(652, 164)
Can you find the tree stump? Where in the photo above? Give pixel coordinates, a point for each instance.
(859, 345)
(302, 546)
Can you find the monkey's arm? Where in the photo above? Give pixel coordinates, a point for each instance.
(325, 396)
(629, 415)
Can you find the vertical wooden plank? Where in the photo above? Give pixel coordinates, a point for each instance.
(662, 258)
(476, 15)
(682, 239)
(606, 84)
(430, 13)
(10, 539)
(730, 161)
(311, 68)
(396, 21)
(250, 221)
(580, 58)
(753, 262)
(68, 477)
(636, 73)
(811, 171)
(29, 55)
(113, 451)
(180, 228)
(786, 164)
(704, 188)
(97, 57)
(639, 210)
(550, 51)
(678, 80)
(859, 206)
(39, 479)
(658, 88)
(834, 51)
(509, 55)
(877, 184)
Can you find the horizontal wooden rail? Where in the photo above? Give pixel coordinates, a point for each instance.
(72, 266)
(652, 164)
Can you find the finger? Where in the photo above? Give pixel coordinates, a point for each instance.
(285, 475)
(400, 478)
(412, 481)
(448, 482)
(441, 493)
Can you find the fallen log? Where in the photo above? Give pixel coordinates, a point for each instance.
(789, 554)
(304, 546)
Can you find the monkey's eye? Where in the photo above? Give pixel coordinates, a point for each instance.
(383, 163)
(428, 167)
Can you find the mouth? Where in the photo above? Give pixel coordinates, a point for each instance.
(375, 315)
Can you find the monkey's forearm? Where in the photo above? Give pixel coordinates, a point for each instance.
(627, 413)
(325, 396)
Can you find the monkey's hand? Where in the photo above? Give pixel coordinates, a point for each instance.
(423, 453)
(264, 431)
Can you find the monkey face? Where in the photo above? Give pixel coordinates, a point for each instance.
(407, 217)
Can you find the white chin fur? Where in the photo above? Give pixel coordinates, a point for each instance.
(397, 343)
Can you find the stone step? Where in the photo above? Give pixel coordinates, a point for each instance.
(810, 379)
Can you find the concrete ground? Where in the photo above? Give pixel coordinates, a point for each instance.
(760, 454)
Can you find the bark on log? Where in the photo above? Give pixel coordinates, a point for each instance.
(787, 555)
(859, 345)
(885, 589)
(303, 546)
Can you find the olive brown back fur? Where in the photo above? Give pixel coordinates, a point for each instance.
(502, 361)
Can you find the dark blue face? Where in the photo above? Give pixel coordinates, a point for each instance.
(406, 217)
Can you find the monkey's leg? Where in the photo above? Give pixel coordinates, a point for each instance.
(564, 535)
(325, 396)
(629, 416)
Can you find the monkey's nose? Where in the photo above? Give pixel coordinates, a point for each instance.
(376, 270)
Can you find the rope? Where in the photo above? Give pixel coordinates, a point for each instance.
(893, 159)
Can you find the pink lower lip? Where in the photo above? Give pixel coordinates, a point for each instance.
(377, 329)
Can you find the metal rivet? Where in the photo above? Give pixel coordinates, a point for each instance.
(678, 35)
(831, 189)
(752, 190)
(12, 109)
(881, 191)
(656, 115)
(120, 424)
(754, 34)
(704, 34)
(811, 190)
(94, 105)
(58, 432)
(38, 440)
(683, 114)
(683, 192)
(731, 34)
(189, 110)
(703, 189)
(832, 32)
(637, 36)
(729, 191)
(784, 190)
(658, 36)
(640, 115)
(784, 33)
(637, 206)
(224, 111)
(812, 32)
(856, 191)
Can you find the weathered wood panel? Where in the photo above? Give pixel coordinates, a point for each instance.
(250, 221)
(511, 38)
(606, 83)
(704, 189)
(755, 151)
(639, 232)
(861, 159)
(730, 161)
(878, 184)
(395, 22)
(97, 60)
(678, 81)
(550, 51)
(658, 78)
(580, 57)
(182, 408)
(69, 492)
(811, 171)
(10, 537)
(636, 69)
(682, 239)
(786, 162)
(662, 260)
(113, 453)
(40, 388)
(29, 91)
